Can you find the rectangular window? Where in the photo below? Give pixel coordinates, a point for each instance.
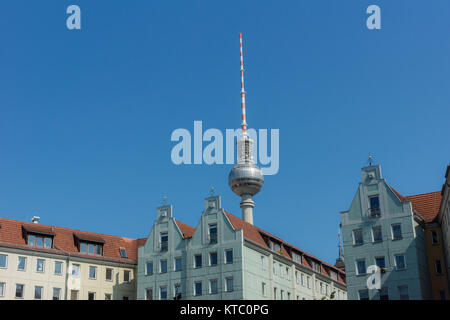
(380, 262)
(438, 267)
(38, 292)
(48, 242)
(403, 292)
(108, 296)
(109, 274)
(229, 256)
(126, 276)
(213, 286)
(262, 262)
(3, 261)
(83, 247)
(308, 282)
(400, 263)
(22, 263)
(213, 233)
(376, 234)
(357, 237)
(275, 246)
(91, 251)
(149, 294)
(2, 289)
(434, 237)
(149, 268)
(40, 265)
(178, 264)
(58, 267)
(73, 294)
(396, 232)
(229, 284)
(163, 266)
(441, 294)
(374, 209)
(213, 258)
(384, 294)
(164, 241)
(123, 253)
(163, 293)
(75, 270)
(56, 294)
(91, 295)
(275, 293)
(31, 240)
(198, 261)
(302, 279)
(263, 289)
(125, 298)
(333, 275)
(198, 288)
(360, 267)
(39, 242)
(363, 295)
(92, 272)
(281, 294)
(19, 290)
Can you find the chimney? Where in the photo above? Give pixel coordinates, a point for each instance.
(35, 219)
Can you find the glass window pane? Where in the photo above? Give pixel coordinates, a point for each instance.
(229, 256)
(48, 242)
(22, 263)
(56, 293)
(38, 293)
(177, 264)
(90, 248)
(3, 260)
(31, 240)
(40, 265)
(109, 274)
(39, 242)
(92, 272)
(83, 247)
(76, 270)
(149, 268)
(163, 266)
(213, 258)
(58, 267)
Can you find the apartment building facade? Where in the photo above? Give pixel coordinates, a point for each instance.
(225, 257)
(52, 263)
(399, 235)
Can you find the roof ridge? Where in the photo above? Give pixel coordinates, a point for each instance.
(66, 228)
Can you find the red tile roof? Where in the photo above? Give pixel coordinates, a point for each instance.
(185, 229)
(426, 204)
(259, 236)
(12, 234)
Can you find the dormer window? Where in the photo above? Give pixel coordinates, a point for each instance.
(39, 241)
(93, 249)
(90, 244)
(274, 246)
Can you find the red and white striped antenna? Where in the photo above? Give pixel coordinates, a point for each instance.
(244, 123)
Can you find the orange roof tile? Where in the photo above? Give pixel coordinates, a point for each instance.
(11, 234)
(257, 235)
(426, 204)
(185, 229)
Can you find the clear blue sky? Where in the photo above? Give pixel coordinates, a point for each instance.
(86, 116)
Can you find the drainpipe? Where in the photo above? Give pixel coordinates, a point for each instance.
(67, 272)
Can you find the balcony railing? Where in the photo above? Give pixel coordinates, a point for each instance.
(164, 246)
(212, 238)
(374, 212)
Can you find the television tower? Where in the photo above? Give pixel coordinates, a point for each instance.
(245, 178)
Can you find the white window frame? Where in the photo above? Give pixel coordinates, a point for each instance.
(404, 261)
(25, 264)
(62, 267)
(354, 238)
(3, 289)
(392, 231)
(160, 293)
(357, 269)
(161, 266)
(95, 273)
(217, 259)
(6, 261)
(43, 265)
(232, 256)
(129, 276)
(175, 263)
(42, 292)
(106, 274)
(195, 288)
(59, 293)
(196, 266)
(23, 291)
(79, 270)
(146, 268)
(373, 234)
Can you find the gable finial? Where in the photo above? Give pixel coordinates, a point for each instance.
(212, 191)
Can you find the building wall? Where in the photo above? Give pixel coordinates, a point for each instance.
(393, 211)
(49, 280)
(435, 252)
(444, 219)
(247, 271)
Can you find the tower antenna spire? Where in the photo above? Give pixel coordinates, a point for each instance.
(244, 123)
